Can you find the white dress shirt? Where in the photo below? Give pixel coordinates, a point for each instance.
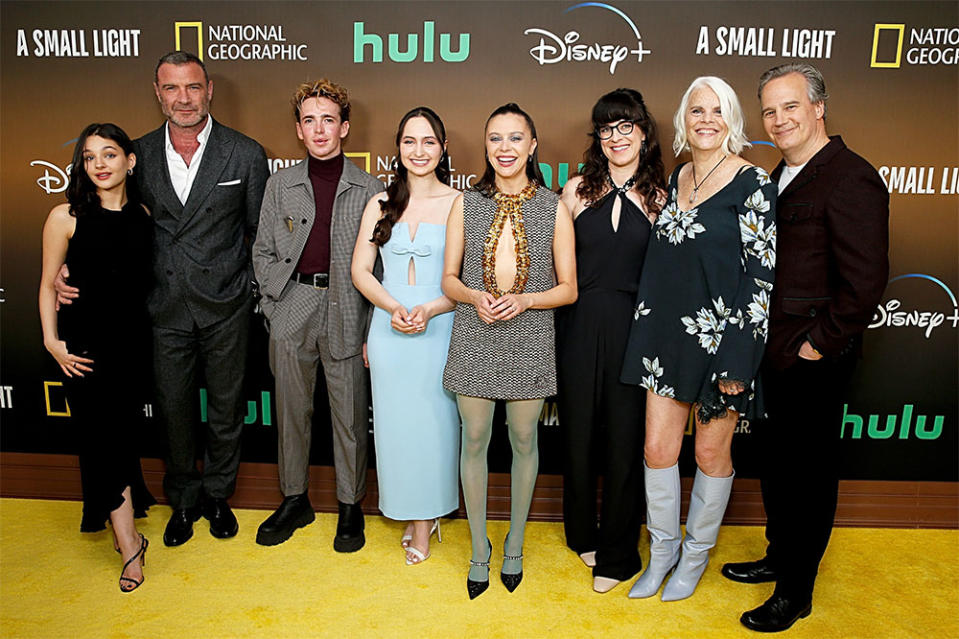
(181, 175)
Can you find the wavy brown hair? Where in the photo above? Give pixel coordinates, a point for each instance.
(624, 104)
(398, 192)
(81, 191)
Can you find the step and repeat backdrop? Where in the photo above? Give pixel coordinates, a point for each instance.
(890, 68)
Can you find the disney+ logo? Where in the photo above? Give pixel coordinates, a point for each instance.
(553, 48)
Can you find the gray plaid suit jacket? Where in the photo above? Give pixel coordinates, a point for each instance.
(288, 203)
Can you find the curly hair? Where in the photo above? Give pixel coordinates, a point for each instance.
(322, 88)
(398, 192)
(624, 104)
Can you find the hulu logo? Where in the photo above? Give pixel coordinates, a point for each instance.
(361, 40)
(904, 427)
(562, 173)
(251, 409)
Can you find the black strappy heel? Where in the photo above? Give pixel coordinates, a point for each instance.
(142, 556)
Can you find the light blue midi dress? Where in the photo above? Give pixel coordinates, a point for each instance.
(416, 426)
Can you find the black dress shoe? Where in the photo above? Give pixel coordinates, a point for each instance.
(349, 529)
(777, 614)
(222, 520)
(180, 527)
(750, 572)
(295, 512)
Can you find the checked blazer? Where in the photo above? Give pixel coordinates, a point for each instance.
(286, 218)
(202, 271)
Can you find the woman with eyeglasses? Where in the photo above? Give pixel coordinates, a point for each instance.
(614, 202)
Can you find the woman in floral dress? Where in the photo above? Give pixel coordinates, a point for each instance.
(699, 328)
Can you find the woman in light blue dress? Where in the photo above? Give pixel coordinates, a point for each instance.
(415, 422)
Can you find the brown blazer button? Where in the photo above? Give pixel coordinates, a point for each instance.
(812, 312)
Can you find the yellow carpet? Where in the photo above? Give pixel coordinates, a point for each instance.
(57, 583)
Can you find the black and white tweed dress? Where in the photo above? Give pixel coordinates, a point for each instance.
(514, 359)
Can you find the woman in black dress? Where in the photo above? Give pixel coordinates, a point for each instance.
(104, 235)
(699, 328)
(614, 202)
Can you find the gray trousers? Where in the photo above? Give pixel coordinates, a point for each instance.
(219, 351)
(298, 345)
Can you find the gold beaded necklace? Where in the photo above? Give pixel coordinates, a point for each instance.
(507, 206)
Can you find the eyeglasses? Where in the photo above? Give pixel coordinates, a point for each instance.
(606, 132)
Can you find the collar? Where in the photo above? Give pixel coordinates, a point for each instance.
(201, 137)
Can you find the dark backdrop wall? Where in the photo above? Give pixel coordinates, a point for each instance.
(890, 67)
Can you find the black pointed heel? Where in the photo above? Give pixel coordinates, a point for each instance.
(511, 581)
(477, 588)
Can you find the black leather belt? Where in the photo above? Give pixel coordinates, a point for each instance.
(316, 280)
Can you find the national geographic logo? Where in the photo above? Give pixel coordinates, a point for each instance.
(256, 42)
(926, 46)
(362, 159)
(55, 399)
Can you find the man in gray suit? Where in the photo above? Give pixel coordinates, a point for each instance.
(203, 183)
(308, 225)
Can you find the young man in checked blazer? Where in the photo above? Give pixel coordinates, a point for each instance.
(302, 254)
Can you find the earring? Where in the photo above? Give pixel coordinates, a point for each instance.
(642, 149)
(129, 171)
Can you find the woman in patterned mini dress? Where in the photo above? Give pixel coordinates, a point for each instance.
(510, 259)
(699, 328)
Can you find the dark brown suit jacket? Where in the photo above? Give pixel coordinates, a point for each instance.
(832, 255)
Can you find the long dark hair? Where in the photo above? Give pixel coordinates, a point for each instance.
(82, 192)
(624, 104)
(487, 184)
(398, 192)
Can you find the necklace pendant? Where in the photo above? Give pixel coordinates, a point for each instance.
(692, 196)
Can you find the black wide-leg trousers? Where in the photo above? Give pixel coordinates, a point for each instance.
(602, 422)
(799, 446)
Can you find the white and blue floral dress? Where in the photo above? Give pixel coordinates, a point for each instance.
(702, 308)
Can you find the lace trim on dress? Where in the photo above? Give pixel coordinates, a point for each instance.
(507, 206)
(712, 405)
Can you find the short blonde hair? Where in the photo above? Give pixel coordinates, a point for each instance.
(735, 140)
(322, 88)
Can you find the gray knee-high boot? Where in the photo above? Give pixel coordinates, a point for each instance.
(662, 522)
(707, 503)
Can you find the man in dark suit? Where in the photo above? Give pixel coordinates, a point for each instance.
(203, 183)
(832, 267)
(302, 255)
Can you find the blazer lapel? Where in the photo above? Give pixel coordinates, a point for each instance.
(212, 164)
(154, 159)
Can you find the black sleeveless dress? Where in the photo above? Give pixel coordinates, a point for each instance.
(602, 419)
(110, 262)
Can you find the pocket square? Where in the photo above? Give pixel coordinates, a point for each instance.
(230, 183)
